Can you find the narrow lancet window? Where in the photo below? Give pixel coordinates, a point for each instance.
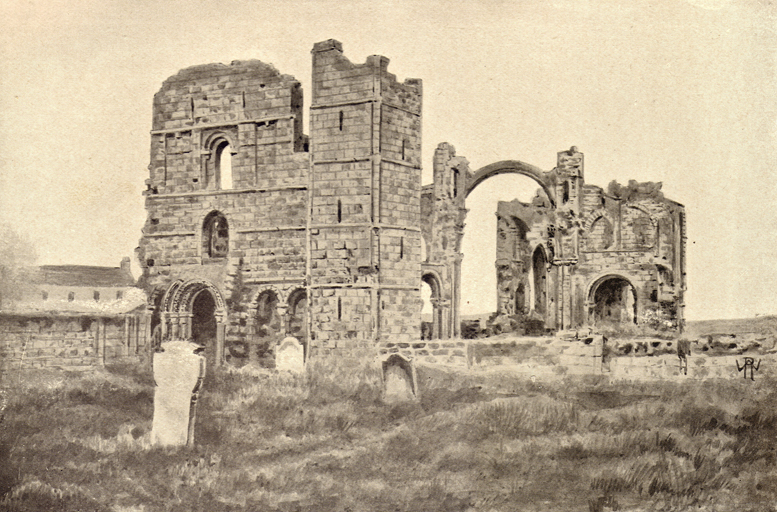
(224, 166)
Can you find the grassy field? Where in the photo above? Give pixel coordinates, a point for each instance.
(325, 441)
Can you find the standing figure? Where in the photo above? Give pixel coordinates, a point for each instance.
(683, 351)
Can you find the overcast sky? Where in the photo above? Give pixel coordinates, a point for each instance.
(673, 91)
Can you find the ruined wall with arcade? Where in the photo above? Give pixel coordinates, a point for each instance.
(227, 195)
(314, 237)
(576, 256)
(633, 232)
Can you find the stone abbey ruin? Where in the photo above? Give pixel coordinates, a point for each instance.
(256, 231)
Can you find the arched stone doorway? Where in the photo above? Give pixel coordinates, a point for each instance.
(612, 302)
(522, 289)
(446, 203)
(204, 325)
(195, 310)
(436, 330)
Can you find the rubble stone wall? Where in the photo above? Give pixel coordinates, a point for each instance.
(72, 342)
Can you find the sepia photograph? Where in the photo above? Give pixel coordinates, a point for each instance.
(372, 256)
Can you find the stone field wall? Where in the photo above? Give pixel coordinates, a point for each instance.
(72, 342)
(553, 358)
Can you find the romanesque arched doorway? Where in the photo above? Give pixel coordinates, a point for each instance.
(204, 324)
(194, 310)
(612, 302)
(515, 193)
(451, 206)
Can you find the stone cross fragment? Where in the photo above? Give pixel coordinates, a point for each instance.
(178, 373)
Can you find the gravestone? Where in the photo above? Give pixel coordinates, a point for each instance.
(290, 355)
(399, 382)
(178, 373)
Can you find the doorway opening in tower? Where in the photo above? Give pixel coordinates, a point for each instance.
(614, 303)
(204, 324)
(519, 276)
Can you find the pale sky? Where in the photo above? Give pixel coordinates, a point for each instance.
(674, 91)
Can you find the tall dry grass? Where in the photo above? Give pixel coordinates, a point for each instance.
(325, 440)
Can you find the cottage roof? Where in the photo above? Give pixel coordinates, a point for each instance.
(84, 276)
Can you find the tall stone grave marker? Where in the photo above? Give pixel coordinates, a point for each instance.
(178, 373)
(399, 380)
(290, 356)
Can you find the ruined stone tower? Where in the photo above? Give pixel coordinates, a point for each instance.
(365, 192)
(255, 232)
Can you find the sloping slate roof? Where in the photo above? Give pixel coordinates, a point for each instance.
(84, 276)
(134, 299)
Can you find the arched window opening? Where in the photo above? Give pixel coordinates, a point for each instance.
(517, 230)
(614, 303)
(224, 166)
(565, 198)
(339, 211)
(215, 236)
(601, 235)
(540, 282)
(638, 231)
(342, 116)
(267, 322)
(427, 311)
(298, 305)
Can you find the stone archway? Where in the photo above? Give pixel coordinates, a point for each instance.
(195, 310)
(446, 203)
(204, 327)
(437, 323)
(297, 315)
(512, 167)
(518, 295)
(612, 302)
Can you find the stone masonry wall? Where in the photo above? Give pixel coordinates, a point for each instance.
(257, 112)
(71, 342)
(365, 189)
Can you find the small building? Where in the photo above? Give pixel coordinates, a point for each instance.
(75, 316)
